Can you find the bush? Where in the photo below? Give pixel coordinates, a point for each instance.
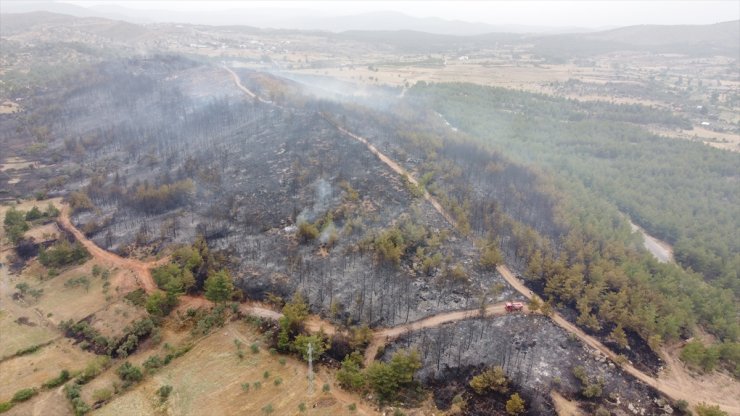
(602, 412)
(682, 406)
(5, 406)
(23, 395)
(161, 304)
(72, 391)
(15, 225)
(307, 231)
(93, 369)
(493, 379)
(703, 409)
(63, 253)
(515, 405)
(58, 380)
(28, 350)
(153, 363)
(102, 395)
(164, 392)
(219, 287)
(350, 376)
(34, 214)
(129, 373)
(137, 297)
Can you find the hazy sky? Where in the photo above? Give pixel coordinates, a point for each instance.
(540, 13)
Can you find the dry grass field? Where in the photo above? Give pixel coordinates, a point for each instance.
(209, 378)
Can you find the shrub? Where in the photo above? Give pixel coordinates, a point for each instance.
(63, 253)
(102, 395)
(602, 412)
(255, 348)
(15, 225)
(129, 373)
(58, 380)
(307, 231)
(5, 406)
(34, 214)
(219, 286)
(164, 392)
(153, 363)
(703, 409)
(515, 405)
(93, 369)
(492, 379)
(72, 391)
(350, 376)
(682, 406)
(28, 350)
(302, 407)
(23, 395)
(278, 381)
(326, 388)
(137, 297)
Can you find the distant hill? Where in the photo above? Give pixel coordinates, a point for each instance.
(692, 40)
(652, 35)
(283, 18)
(15, 23)
(115, 30)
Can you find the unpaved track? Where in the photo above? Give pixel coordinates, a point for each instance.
(674, 389)
(383, 336)
(141, 269)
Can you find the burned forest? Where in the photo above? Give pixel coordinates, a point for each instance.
(239, 220)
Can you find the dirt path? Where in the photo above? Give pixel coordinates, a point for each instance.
(563, 406)
(672, 388)
(141, 269)
(659, 248)
(382, 337)
(676, 388)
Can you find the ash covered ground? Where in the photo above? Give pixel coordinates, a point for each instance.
(536, 355)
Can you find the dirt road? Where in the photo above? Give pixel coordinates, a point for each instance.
(660, 249)
(674, 388)
(383, 336)
(141, 269)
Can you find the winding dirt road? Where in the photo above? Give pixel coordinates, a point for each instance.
(140, 269)
(675, 389)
